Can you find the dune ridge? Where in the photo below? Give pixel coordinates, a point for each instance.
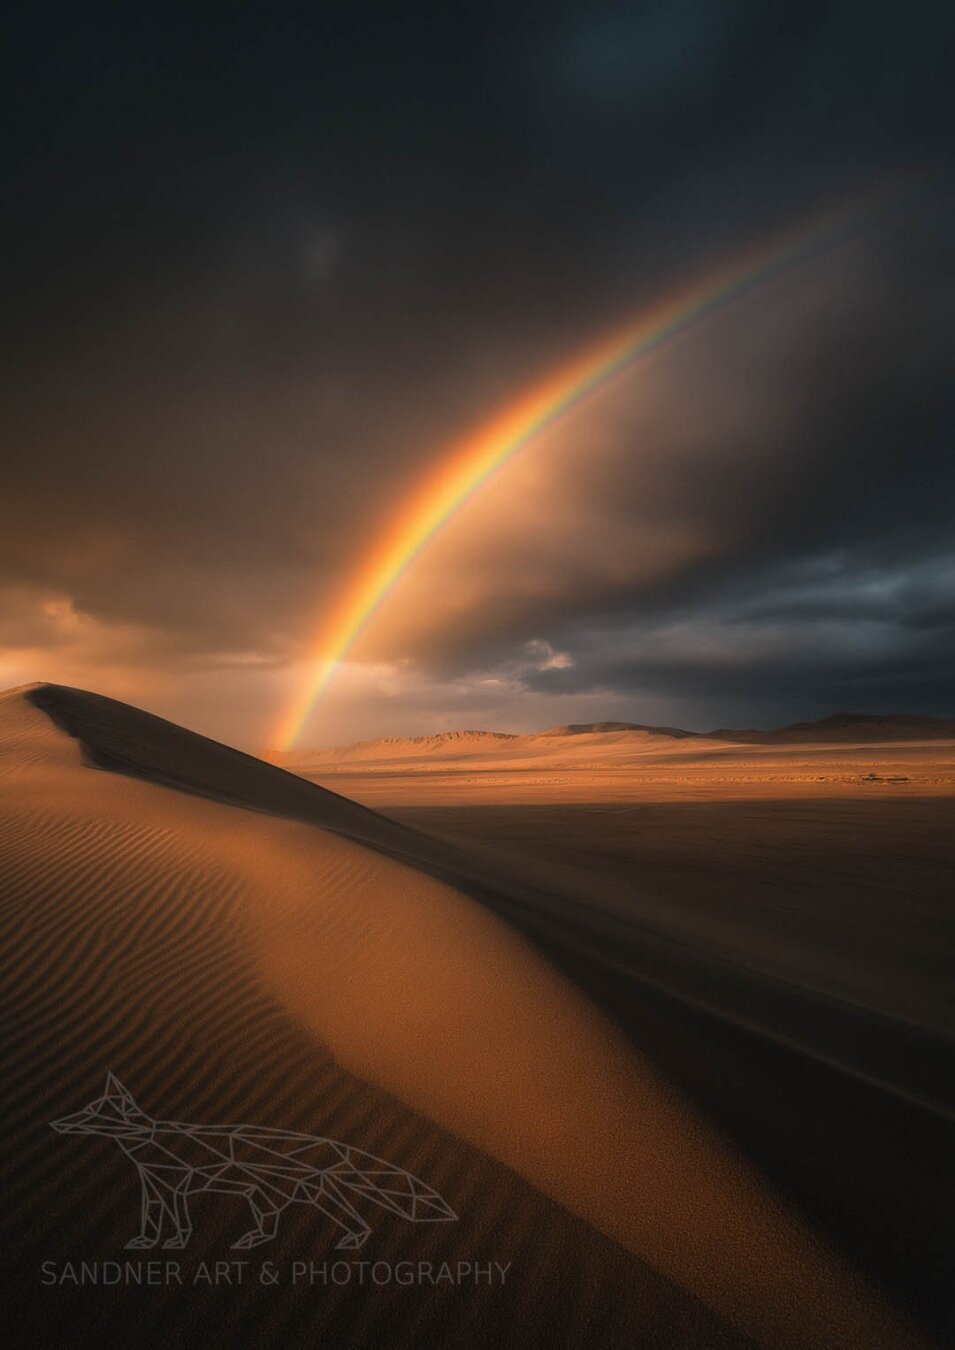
(412, 987)
(127, 945)
(628, 762)
(854, 726)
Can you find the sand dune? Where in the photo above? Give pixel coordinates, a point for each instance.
(621, 762)
(239, 944)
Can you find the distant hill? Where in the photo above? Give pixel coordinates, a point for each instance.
(400, 747)
(839, 727)
(856, 727)
(594, 728)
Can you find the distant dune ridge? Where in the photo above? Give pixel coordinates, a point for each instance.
(626, 761)
(239, 944)
(859, 726)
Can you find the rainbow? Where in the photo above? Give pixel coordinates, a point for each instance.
(471, 463)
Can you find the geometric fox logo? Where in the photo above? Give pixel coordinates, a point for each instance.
(270, 1168)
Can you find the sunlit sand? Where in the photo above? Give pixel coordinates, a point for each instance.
(158, 886)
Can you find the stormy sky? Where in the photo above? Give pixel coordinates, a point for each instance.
(262, 268)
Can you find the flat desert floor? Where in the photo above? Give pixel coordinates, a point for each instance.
(794, 893)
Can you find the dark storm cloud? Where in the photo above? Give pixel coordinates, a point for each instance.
(258, 267)
(821, 447)
(826, 618)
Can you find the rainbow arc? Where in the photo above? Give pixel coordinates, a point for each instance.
(470, 464)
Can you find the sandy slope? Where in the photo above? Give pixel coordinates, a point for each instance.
(281, 964)
(614, 762)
